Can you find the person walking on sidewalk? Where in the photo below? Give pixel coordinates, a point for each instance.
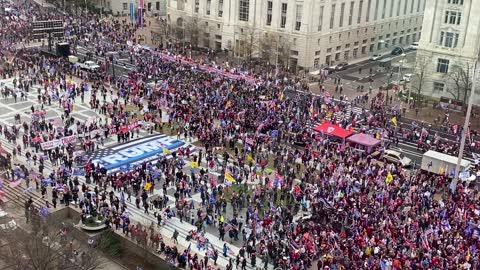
(174, 236)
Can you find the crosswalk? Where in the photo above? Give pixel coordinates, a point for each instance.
(137, 214)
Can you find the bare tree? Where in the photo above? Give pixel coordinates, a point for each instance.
(249, 43)
(284, 54)
(418, 80)
(462, 82)
(192, 31)
(45, 250)
(266, 49)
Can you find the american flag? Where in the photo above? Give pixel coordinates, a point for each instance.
(227, 227)
(425, 243)
(249, 141)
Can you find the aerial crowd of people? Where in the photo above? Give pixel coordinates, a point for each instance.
(321, 204)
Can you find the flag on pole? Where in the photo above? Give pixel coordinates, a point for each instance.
(132, 12)
(148, 186)
(229, 177)
(394, 120)
(193, 164)
(389, 178)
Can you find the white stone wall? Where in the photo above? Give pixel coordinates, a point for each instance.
(123, 6)
(310, 42)
(466, 50)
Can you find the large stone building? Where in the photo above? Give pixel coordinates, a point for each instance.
(306, 33)
(449, 48)
(122, 7)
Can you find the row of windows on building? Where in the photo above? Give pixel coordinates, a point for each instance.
(149, 6)
(244, 9)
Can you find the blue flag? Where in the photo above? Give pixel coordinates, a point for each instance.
(43, 212)
(78, 172)
(212, 198)
(452, 187)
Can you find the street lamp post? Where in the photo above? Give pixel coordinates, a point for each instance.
(276, 56)
(475, 75)
(400, 67)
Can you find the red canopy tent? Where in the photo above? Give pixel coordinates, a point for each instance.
(332, 130)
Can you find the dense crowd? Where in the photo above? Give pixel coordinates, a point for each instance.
(323, 204)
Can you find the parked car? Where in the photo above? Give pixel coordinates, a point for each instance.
(341, 66)
(89, 65)
(376, 57)
(407, 77)
(414, 46)
(329, 70)
(397, 158)
(397, 51)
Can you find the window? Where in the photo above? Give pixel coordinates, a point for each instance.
(418, 5)
(359, 16)
(346, 55)
(328, 60)
(220, 8)
(412, 5)
(316, 62)
(337, 57)
(405, 7)
(329, 50)
(455, 2)
(438, 87)
(342, 10)
(283, 18)
(197, 5)
(244, 9)
(269, 12)
(369, 4)
(332, 16)
(448, 39)
(157, 5)
(298, 18)
(294, 53)
(355, 53)
(364, 49)
(209, 4)
(384, 8)
(375, 15)
(149, 6)
(350, 13)
(125, 6)
(317, 53)
(398, 7)
(339, 48)
(320, 19)
(442, 65)
(453, 17)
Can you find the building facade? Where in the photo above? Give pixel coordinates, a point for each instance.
(448, 48)
(309, 33)
(122, 7)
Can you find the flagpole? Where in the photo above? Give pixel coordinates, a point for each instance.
(475, 75)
